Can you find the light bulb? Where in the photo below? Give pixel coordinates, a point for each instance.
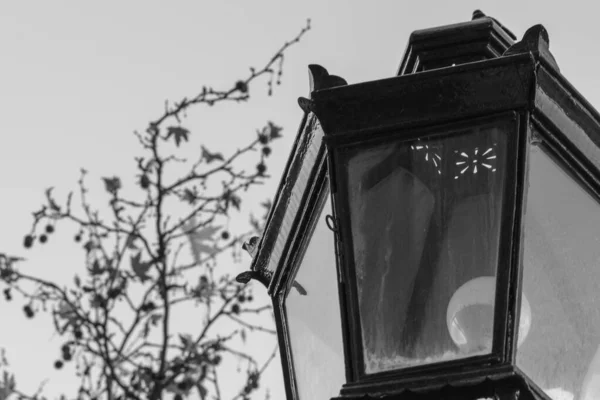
(470, 316)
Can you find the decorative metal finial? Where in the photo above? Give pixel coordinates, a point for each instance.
(320, 78)
(478, 14)
(262, 275)
(306, 104)
(535, 40)
(251, 245)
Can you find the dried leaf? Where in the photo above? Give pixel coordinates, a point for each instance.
(65, 311)
(179, 133)
(235, 201)
(201, 248)
(199, 239)
(155, 319)
(140, 268)
(189, 196)
(7, 386)
(274, 131)
(186, 341)
(112, 185)
(51, 201)
(210, 157)
(232, 199)
(130, 243)
(206, 233)
(89, 246)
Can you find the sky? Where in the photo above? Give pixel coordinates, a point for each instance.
(77, 78)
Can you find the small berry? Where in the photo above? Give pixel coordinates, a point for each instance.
(78, 238)
(178, 397)
(216, 360)
(43, 238)
(28, 311)
(235, 308)
(77, 333)
(144, 181)
(113, 293)
(6, 274)
(49, 228)
(261, 168)
(266, 151)
(98, 301)
(249, 298)
(149, 306)
(241, 298)
(224, 235)
(28, 241)
(241, 86)
(263, 139)
(7, 294)
(58, 364)
(67, 356)
(185, 385)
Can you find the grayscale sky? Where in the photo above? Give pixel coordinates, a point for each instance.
(76, 78)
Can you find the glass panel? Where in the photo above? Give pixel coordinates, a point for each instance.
(561, 282)
(425, 222)
(303, 164)
(314, 321)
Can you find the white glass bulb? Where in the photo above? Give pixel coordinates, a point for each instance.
(470, 316)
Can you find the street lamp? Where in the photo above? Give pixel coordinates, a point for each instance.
(463, 196)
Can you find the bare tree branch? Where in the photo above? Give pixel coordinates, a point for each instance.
(115, 318)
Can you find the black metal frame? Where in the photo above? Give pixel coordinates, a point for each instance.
(378, 111)
(502, 352)
(316, 174)
(555, 144)
(479, 39)
(426, 98)
(551, 113)
(527, 81)
(305, 223)
(499, 353)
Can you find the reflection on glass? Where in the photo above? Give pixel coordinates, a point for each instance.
(314, 321)
(425, 220)
(561, 277)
